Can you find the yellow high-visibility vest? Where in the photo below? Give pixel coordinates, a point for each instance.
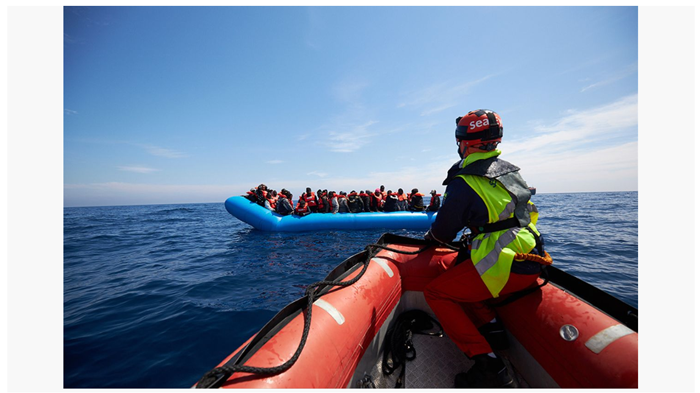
(493, 253)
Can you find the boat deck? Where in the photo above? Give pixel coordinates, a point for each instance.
(438, 360)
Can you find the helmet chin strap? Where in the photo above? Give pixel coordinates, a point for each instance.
(462, 151)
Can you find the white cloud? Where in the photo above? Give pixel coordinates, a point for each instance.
(579, 128)
(437, 109)
(440, 96)
(137, 169)
(630, 70)
(590, 150)
(316, 173)
(162, 152)
(347, 138)
(608, 169)
(274, 162)
(69, 111)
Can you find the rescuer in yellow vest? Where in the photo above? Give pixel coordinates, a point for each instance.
(487, 195)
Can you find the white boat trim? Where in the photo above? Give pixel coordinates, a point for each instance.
(331, 310)
(384, 266)
(606, 337)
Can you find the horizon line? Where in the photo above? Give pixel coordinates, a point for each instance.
(207, 203)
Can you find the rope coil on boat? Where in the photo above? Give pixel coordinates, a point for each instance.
(545, 260)
(399, 346)
(216, 377)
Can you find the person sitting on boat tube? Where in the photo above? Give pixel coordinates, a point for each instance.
(434, 201)
(310, 200)
(376, 201)
(323, 205)
(365, 200)
(343, 202)
(284, 204)
(355, 204)
(333, 202)
(403, 204)
(260, 196)
(391, 204)
(416, 201)
(302, 209)
(487, 195)
(273, 197)
(251, 195)
(269, 202)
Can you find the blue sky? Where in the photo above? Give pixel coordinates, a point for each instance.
(195, 104)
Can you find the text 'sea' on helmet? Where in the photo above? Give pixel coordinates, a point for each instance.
(481, 126)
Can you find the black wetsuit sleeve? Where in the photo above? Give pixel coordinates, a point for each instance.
(461, 207)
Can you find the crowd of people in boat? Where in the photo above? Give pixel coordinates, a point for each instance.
(324, 201)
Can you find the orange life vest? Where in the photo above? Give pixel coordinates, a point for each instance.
(310, 199)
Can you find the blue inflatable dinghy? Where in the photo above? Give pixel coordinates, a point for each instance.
(260, 218)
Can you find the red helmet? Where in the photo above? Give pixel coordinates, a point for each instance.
(480, 127)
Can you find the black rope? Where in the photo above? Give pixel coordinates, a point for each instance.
(219, 375)
(399, 346)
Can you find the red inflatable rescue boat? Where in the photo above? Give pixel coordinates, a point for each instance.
(565, 333)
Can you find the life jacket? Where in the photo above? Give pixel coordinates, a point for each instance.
(284, 205)
(300, 209)
(250, 195)
(322, 202)
(401, 197)
(260, 198)
(392, 203)
(365, 201)
(512, 216)
(416, 202)
(355, 204)
(343, 206)
(310, 199)
(434, 202)
(375, 201)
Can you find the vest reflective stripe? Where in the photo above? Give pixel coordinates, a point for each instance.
(491, 258)
(493, 253)
(508, 211)
(310, 199)
(532, 209)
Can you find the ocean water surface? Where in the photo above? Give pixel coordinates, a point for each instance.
(155, 296)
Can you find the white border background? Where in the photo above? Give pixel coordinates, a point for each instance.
(33, 194)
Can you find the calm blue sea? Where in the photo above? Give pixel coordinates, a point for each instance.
(155, 296)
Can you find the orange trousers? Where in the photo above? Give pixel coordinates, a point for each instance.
(457, 298)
